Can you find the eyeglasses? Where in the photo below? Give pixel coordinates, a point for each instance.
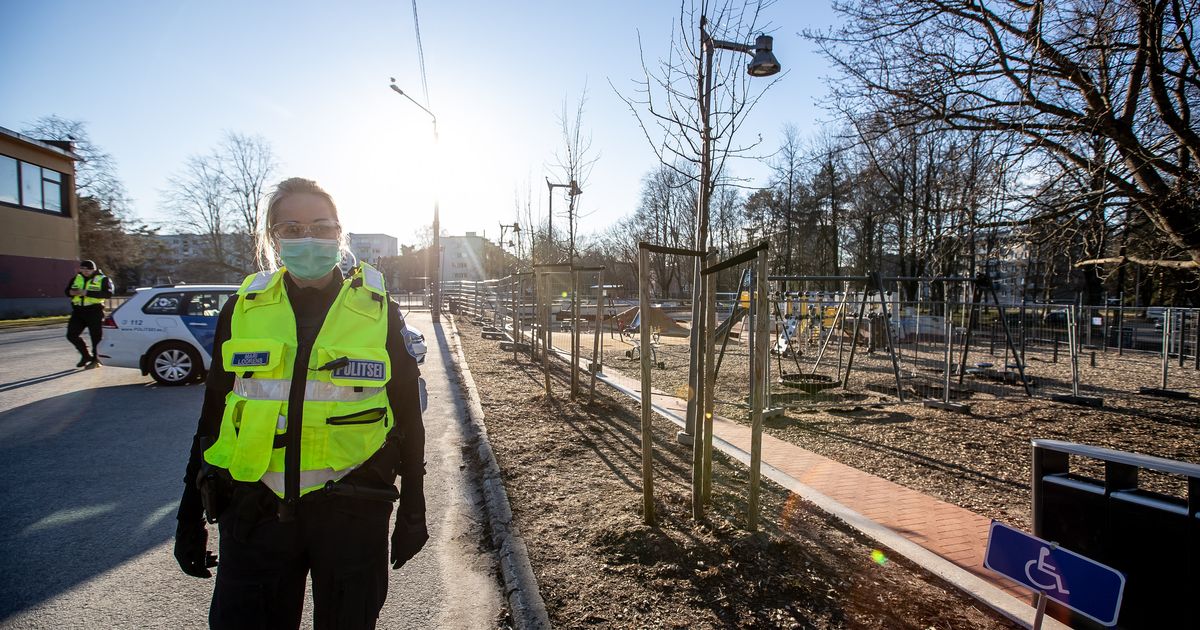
(292, 229)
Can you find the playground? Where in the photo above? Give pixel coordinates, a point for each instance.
(1031, 371)
(936, 400)
(977, 460)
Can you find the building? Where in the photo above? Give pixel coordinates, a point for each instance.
(189, 258)
(370, 248)
(39, 245)
(464, 257)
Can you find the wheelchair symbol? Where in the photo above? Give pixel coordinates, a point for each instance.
(1053, 577)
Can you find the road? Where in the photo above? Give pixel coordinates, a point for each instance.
(92, 464)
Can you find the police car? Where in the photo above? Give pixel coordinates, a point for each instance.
(168, 332)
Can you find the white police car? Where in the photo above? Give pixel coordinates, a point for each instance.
(168, 332)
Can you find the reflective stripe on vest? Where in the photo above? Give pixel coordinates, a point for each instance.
(346, 415)
(314, 391)
(260, 281)
(95, 283)
(308, 478)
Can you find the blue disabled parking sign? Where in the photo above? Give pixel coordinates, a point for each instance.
(1079, 583)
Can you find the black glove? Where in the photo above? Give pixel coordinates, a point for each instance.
(408, 537)
(191, 549)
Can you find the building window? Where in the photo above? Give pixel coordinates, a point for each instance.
(30, 185)
(10, 191)
(51, 190)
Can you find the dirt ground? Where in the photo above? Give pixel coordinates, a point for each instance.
(573, 475)
(980, 461)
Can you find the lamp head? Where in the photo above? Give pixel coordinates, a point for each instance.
(574, 189)
(764, 63)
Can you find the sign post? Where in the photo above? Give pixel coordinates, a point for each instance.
(1085, 586)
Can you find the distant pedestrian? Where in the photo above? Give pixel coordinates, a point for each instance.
(87, 290)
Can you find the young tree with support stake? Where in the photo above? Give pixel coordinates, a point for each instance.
(663, 104)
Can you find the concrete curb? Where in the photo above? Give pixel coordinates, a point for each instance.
(520, 585)
(17, 325)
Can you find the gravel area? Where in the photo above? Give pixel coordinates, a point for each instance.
(572, 471)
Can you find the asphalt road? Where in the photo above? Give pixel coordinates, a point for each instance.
(91, 467)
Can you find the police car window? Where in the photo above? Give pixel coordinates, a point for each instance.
(205, 304)
(164, 304)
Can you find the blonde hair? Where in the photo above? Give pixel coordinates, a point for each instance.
(267, 256)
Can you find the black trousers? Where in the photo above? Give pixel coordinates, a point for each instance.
(264, 564)
(89, 317)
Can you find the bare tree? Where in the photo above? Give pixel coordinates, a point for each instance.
(246, 165)
(788, 167)
(200, 201)
(1056, 74)
(575, 162)
(108, 233)
(96, 173)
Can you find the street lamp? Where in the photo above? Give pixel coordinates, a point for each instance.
(435, 305)
(572, 190)
(762, 64)
(516, 242)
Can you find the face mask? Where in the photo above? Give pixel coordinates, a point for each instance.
(309, 258)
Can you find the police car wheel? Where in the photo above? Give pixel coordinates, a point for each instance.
(174, 364)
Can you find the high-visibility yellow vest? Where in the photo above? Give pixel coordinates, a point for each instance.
(346, 415)
(95, 283)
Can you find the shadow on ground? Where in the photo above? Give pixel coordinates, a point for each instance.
(92, 480)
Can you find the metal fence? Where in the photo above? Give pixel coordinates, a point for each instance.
(838, 348)
(411, 301)
(826, 353)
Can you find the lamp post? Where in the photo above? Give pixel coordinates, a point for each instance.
(435, 302)
(762, 64)
(516, 242)
(572, 190)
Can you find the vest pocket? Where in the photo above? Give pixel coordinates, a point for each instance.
(354, 434)
(363, 417)
(240, 355)
(255, 439)
(356, 367)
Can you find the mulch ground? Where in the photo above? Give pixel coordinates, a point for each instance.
(573, 475)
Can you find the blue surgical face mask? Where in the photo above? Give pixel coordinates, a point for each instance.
(309, 258)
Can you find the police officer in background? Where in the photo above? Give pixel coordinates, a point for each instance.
(311, 410)
(87, 291)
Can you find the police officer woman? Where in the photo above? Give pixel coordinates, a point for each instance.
(311, 411)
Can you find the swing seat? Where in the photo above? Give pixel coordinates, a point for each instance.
(810, 383)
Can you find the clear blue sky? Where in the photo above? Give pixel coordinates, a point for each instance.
(159, 81)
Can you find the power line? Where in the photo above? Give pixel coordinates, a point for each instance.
(420, 54)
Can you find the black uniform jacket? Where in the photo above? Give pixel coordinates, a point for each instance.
(310, 306)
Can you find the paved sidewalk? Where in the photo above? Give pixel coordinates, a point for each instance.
(951, 532)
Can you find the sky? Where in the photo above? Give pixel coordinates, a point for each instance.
(156, 82)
